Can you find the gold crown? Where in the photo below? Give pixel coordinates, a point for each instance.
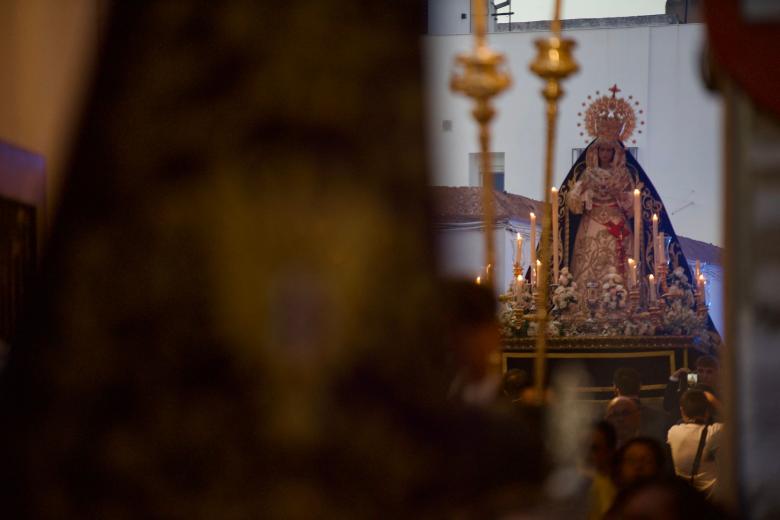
(610, 117)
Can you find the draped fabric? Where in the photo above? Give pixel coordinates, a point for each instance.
(651, 203)
(602, 196)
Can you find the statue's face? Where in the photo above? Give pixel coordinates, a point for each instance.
(606, 154)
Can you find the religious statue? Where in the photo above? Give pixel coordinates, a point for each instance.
(603, 196)
(622, 269)
(598, 205)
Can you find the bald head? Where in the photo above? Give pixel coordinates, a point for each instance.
(623, 414)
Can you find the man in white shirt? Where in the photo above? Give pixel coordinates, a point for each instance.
(685, 441)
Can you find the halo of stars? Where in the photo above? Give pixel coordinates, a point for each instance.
(627, 108)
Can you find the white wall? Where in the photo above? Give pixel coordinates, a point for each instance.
(444, 16)
(680, 144)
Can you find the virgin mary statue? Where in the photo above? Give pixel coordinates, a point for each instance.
(602, 196)
(596, 204)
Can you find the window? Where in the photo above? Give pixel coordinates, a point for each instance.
(496, 166)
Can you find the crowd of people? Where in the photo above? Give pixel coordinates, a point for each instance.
(639, 449)
(674, 449)
(659, 457)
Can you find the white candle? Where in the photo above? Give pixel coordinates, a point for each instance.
(631, 273)
(533, 239)
(554, 208)
(518, 287)
(537, 271)
(637, 223)
(519, 254)
(651, 292)
(655, 239)
(700, 282)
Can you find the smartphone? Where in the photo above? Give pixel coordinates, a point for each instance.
(693, 378)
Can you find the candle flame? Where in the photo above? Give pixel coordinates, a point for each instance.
(631, 262)
(519, 277)
(636, 192)
(554, 189)
(538, 263)
(651, 277)
(533, 215)
(479, 280)
(655, 217)
(519, 237)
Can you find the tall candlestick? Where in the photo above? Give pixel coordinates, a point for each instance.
(637, 223)
(519, 254)
(655, 239)
(554, 209)
(533, 239)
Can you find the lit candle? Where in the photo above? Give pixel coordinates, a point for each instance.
(519, 287)
(554, 208)
(631, 273)
(537, 271)
(700, 281)
(479, 280)
(637, 223)
(651, 292)
(533, 239)
(519, 254)
(655, 238)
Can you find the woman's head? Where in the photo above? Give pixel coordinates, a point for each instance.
(603, 442)
(639, 459)
(606, 154)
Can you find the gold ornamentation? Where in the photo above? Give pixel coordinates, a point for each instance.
(482, 79)
(611, 117)
(554, 62)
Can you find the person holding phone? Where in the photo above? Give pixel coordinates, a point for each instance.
(705, 378)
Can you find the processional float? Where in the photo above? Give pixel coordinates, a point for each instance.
(643, 306)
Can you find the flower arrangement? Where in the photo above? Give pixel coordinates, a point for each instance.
(680, 319)
(614, 294)
(565, 296)
(679, 288)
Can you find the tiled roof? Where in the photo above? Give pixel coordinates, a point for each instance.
(463, 204)
(698, 250)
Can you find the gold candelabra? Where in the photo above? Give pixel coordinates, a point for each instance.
(553, 63)
(482, 79)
